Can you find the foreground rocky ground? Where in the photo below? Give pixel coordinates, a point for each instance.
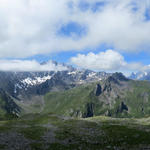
(52, 132)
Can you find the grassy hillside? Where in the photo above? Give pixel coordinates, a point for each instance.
(52, 132)
(8, 108)
(72, 102)
(138, 99)
(2, 105)
(116, 98)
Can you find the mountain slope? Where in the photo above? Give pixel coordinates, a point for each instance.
(8, 107)
(116, 96)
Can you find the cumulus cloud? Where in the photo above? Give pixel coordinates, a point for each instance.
(30, 27)
(29, 65)
(105, 61)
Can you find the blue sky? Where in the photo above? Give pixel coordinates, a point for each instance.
(110, 35)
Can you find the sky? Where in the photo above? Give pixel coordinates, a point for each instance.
(101, 35)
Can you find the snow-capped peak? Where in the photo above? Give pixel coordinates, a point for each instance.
(142, 75)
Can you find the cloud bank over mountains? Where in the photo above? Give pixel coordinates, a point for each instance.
(109, 60)
(106, 61)
(29, 65)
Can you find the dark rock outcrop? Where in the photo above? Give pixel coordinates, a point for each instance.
(119, 76)
(123, 107)
(98, 90)
(89, 110)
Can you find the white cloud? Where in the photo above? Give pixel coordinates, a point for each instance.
(29, 27)
(29, 65)
(105, 61)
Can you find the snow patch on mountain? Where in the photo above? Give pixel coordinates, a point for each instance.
(27, 82)
(38, 80)
(71, 73)
(92, 74)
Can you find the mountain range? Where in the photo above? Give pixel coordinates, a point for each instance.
(30, 87)
(73, 92)
(141, 75)
(73, 109)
